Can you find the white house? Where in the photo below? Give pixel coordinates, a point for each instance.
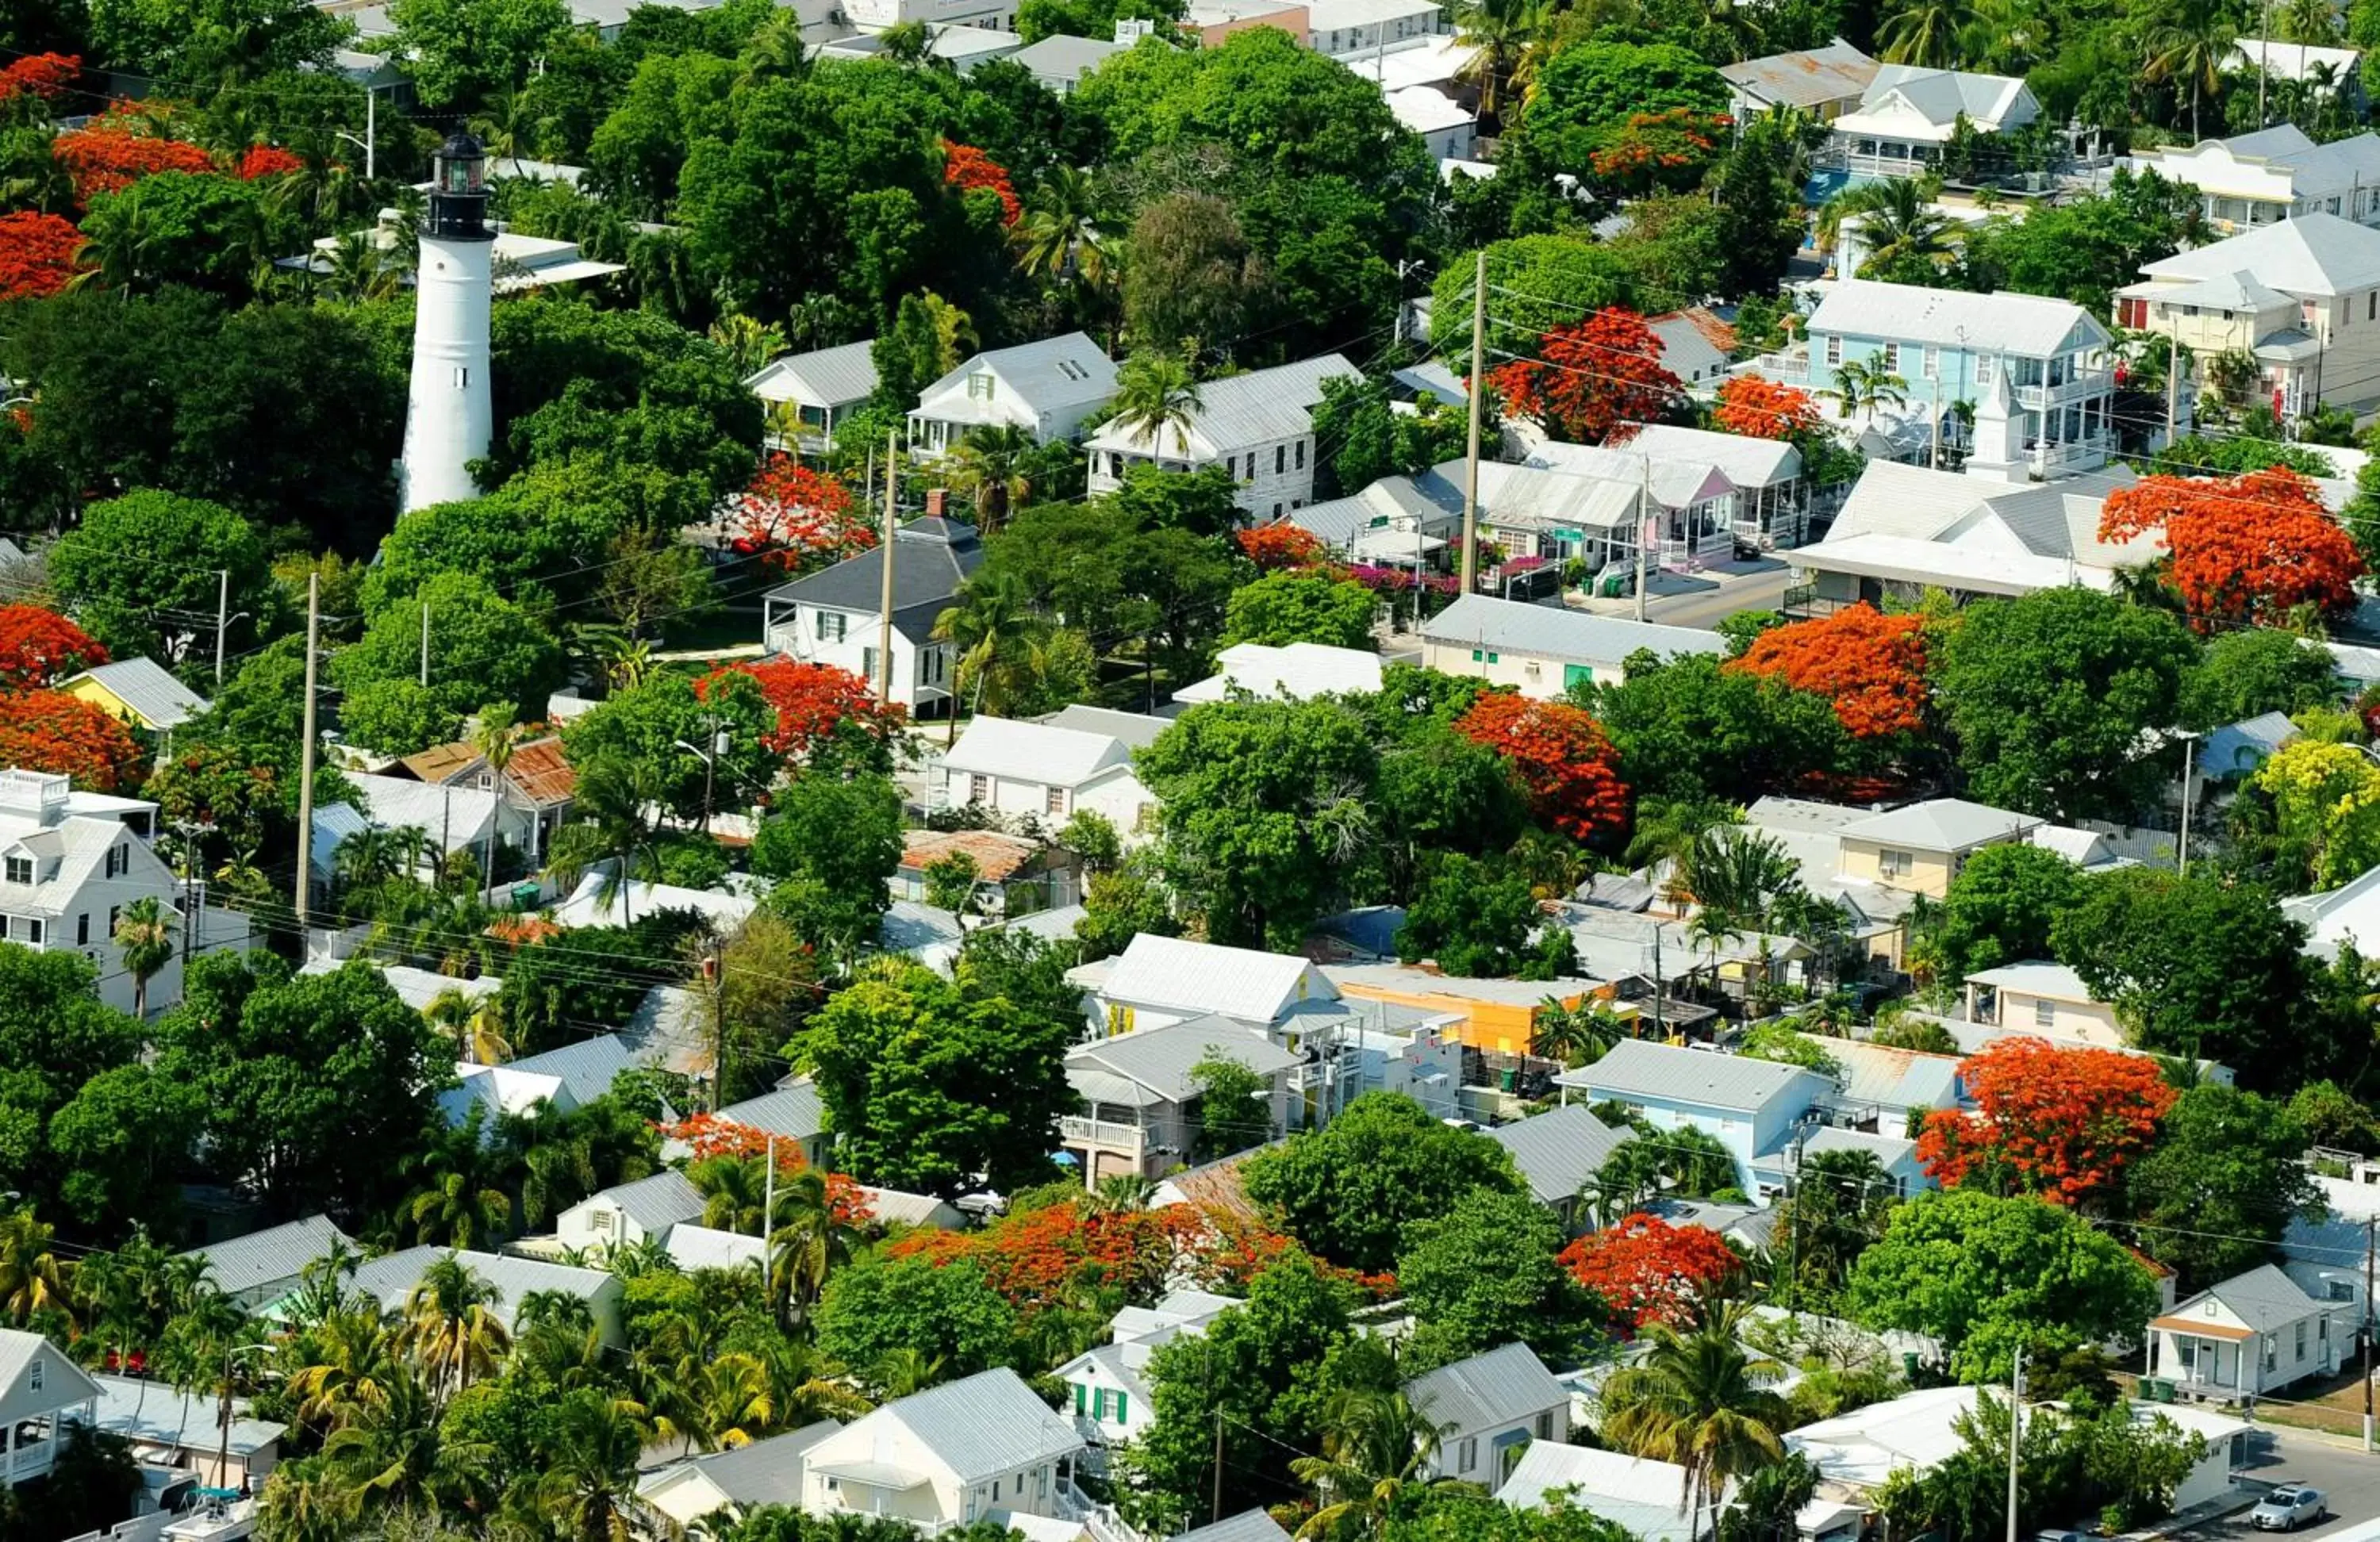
(626, 1214)
(1544, 650)
(2036, 994)
(1449, 129)
(1041, 770)
(1360, 30)
(390, 1278)
(835, 615)
(2274, 173)
(1488, 1408)
(40, 1386)
(1771, 503)
(569, 1077)
(2254, 1334)
(451, 818)
(1143, 1107)
(1158, 980)
(1883, 1095)
(180, 1427)
(949, 1456)
(69, 864)
(1908, 112)
(1059, 61)
(1110, 1397)
(1693, 500)
(1299, 670)
(1752, 1107)
(257, 1269)
(813, 391)
(2302, 298)
(738, 1479)
(1639, 1495)
(1557, 1152)
(2330, 72)
(1049, 388)
(1259, 427)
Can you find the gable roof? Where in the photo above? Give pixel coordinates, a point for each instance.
(1066, 370)
(1062, 57)
(62, 1379)
(1239, 411)
(1558, 632)
(153, 1414)
(1745, 461)
(1299, 670)
(2264, 1298)
(760, 1472)
(142, 684)
(1941, 824)
(794, 1111)
(1207, 978)
(1938, 96)
(454, 818)
(1160, 1060)
(2035, 977)
(976, 1427)
(1136, 730)
(998, 855)
(1036, 752)
(1249, 1526)
(655, 1204)
(823, 377)
(1496, 1388)
(1803, 79)
(935, 557)
(1558, 1150)
(2237, 748)
(2318, 255)
(1641, 1068)
(274, 1254)
(540, 771)
(1635, 1493)
(2031, 325)
(388, 1279)
(574, 1073)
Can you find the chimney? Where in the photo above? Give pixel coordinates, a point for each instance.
(938, 499)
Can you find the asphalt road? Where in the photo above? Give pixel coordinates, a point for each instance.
(2349, 1478)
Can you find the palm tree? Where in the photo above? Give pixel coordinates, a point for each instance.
(1060, 232)
(448, 1327)
(903, 1372)
(2309, 21)
(590, 1482)
(1735, 871)
(994, 627)
(991, 467)
(615, 799)
(734, 1191)
(118, 240)
(1156, 392)
(749, 343)
(1926, 32)
(1898, 224)
(1700, 1401)
(349, 1363)
(31, 1278)
(372, 856)
(1374, 1446)
(1577, 1034)
(2188, 47)
(731, 1398)
(1667, 830)
(1123, 1193)
(144, 937)
(462, 1204)
(1862, 386)
(473, 1024)
(1500, 30)
(807, 1243)
(494, 736)
(773, 52)
(390, 1451)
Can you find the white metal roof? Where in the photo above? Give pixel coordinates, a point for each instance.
(1036, 752)
(1061, 57)
(1635, 1493)
(1941, 824)
(1300, 671)
(142, 684)
(2033, 326)
(1557, 632)
(1207, 978)
(823, 377)
(1487, 1390)
(1900, 559)
(982, 1425)
(2292, 61)
(1641, 1068)
(1238, 412)
(2035, 977)
(268, 1256)
(1427, 111)
(2318, 255)
(1745, 461)
(1061, 372)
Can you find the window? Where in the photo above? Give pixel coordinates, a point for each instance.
(868, 664)
(20, 869)
(1301, 444)
(118, 861)
(82, 930)
(462, 377)
(1467, 1454)
(1478, 656)
(2339, 1290)
(1834, 350)
(1546, 1426)
(978, 788)
(980, 386)
(2372, 306)
(600, 1220)
(1983, 368)
(2272, 1353)
(2301, 1340)
(1895, 864)
(33, 930)
(995, 1490)
(1053, 801)
(2044, 1014)
(115, 912)
(1933, 362)
(1119, 1020)
(831, 626)
(1252, 467)
(34, 1376)
(1890, 355)
(2188, 1348)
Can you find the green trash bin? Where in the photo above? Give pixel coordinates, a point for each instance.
(526, 896)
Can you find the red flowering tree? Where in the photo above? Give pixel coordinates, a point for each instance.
(2062, 1123)
(1761, 409)
(43, 76)
(1279, 545)
(797, 519)
(1561, 757)
(37, 254)
(39, 648)
(1592, 379)
(1653, 150)
(1871, 665)
(267, 160)
(2247, 548)
(1647, 1270)
(119, 150)
(812, 701)
(709, 1135)
(1044, 1257)
(49, 731)
(968, 168)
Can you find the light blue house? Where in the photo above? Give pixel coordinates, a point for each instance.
(2032, 372)
(1752, 1107)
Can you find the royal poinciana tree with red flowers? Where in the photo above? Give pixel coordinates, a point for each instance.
(261, 161)
(707, 1136)
(1653, 150)
(1279, 545)
(2243, 549)
(1872, 666)
(40, 647)
(38, 255)
(966, 168)
(49, 731)
(1759, 408)
(815, 702)
(1646, 1270)
(1592, 381)
(120, 148)
(41, 76)
(796, 520)
(1561, 757)
(2062, 1123)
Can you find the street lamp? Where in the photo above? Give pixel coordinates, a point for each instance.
(710, 767)
(371, 132)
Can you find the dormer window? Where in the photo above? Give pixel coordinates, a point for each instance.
(979, 386)
(21, 868)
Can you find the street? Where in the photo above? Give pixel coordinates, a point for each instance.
(2349, 1478)
(1703, 599)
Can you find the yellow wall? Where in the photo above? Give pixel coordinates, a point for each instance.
(1498, 1027)
(2093, 1022)
(106, 701)
(1930, 874)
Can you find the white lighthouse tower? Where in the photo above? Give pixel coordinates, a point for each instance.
(449, 417)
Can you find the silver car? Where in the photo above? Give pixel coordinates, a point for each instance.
(2288, 1508)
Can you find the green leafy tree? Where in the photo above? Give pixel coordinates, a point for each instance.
(2221, 1184)
(1685, 728)
(483, 648)
(1478, 922)
(2001, 908)
(211, 45)
(1585, 93)
(936, 1086)
(1484, 1275)
(2254, 671)
(1348, 1190)
(1957, 1263)
(124, 1143)
(463, 54)
(947, 1314)
(831, 846)
(139, 571)
(647, 725)
(2049, 695)
(1283, 608)
(1234, 1106)
(56, 1038)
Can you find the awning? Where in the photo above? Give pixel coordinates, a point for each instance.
(875, 1474)
(2201, 1328)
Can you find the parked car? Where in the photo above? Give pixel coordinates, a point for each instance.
(2288, 1508)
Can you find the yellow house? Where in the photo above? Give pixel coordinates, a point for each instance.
(1921, 848)
(1494, 1015)
(139, 692)
(2050, 997)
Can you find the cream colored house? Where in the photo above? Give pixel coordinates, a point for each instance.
(1921, 848)
(2048, 997)
(736, 1480)
(1543, 651)
(2300, 299)
(2251, 180)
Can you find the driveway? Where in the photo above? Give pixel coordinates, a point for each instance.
(2350, 1479)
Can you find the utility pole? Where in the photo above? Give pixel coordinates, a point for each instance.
(1215, 1505)
(425, 645)
(2370, 1228)
(2016, 1423)
(222, 617)
(1471, 455)
(768, 1204)
(714, 970)
(372, 136)
(892, 539)
(2186, 741)
(1643, 525)
(2172, 380)
(306, 755)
